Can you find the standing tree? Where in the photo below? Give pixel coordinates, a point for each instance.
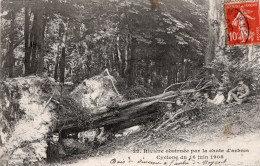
(11, 45)
(216, 35)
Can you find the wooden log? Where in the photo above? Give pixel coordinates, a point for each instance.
(126, 114)
(163, 96)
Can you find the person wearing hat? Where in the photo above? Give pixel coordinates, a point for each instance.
(225, 80)
(219, 98)
(239, 93)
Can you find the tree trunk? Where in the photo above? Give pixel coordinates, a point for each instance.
(126, 54)
(120, 65)
(27, 58)
(131, 64)
(170, 73)
(187, 70)
(216, 35)
(126, 114)
(34, 43)
(10, 53)
(63, 54)
(147, 75)
(62, 65)
(250, 55)
(40, 34)
(55, 75)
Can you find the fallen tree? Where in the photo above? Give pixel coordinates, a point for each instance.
(118, 115)
(34, 107)
(122, 115)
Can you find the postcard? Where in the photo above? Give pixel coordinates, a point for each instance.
(130, 83)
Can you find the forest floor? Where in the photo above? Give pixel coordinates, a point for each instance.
(231, 127)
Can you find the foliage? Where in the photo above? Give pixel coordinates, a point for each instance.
(241, 68)
(136, 92)
(127, 37)
(68, 111)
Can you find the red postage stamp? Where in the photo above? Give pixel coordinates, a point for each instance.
(242, 20)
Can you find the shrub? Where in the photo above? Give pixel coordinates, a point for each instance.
(249, 71)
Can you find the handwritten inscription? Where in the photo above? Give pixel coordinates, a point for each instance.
(144, 161)
(173, 157)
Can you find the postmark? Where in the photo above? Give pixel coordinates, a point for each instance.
(242, 23)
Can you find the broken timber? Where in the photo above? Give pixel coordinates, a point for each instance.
(124, 115)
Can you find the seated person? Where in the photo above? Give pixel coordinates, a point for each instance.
(225, 79)
(239, 93)
(168, 112)
(219, 98)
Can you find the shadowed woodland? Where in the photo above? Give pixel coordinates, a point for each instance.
(75, 40)
(74, 67)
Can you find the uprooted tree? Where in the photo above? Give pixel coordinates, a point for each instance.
(115, 113)
(44, 106)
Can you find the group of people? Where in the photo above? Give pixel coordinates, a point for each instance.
(239, 94)
(170, 111)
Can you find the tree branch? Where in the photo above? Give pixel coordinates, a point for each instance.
(173, 85)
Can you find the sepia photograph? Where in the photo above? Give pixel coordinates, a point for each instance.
(130, 83)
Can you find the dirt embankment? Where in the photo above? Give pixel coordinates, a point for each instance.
(32, 108)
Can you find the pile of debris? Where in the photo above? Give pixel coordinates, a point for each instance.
(34, 111)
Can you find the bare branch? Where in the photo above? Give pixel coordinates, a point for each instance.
(120, 96)
(173, 85)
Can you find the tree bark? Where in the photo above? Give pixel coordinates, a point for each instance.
(131, 64)
(170, 68)
(40, 34)
(34, 43)
(62, 65)
(126, 54)
(216, 35)
(1, 58)
(63, 54)
(55, 75)
(10, 52)
(126, 114)
(147, 75)
(250, 55)
(27, 58)
(120, 65)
